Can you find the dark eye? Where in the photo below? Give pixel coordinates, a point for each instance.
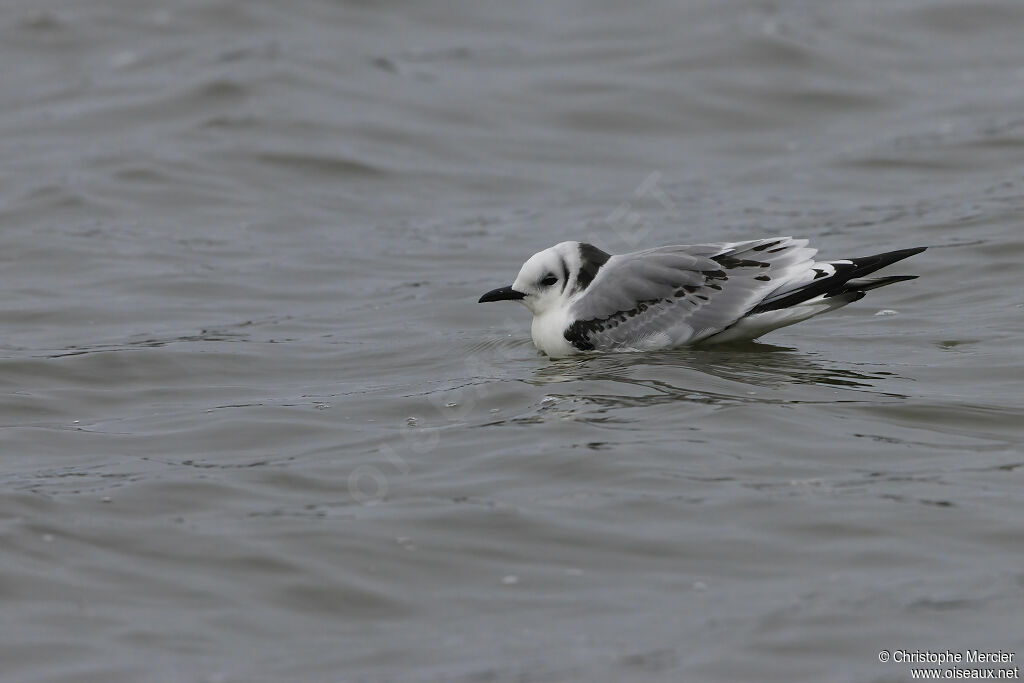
(549, 280)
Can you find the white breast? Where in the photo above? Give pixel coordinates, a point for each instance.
(548, 331)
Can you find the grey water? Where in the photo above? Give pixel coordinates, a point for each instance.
(255, 426)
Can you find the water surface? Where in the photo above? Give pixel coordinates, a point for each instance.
(256, 427)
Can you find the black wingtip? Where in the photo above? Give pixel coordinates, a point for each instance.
(869, 264)
(865, 265)
(867, 284)
(836, 285)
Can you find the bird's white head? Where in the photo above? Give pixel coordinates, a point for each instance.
(551, 278)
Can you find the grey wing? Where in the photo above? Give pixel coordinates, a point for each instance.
(681, 294)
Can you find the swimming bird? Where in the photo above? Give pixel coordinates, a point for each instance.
(585, 299)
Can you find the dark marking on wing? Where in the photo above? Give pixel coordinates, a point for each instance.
(591, 260)
(729, 262)
(762, 247)
(763, 278)
(578, 334)
(819, 272)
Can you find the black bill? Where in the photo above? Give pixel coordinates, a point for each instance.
(501, 294)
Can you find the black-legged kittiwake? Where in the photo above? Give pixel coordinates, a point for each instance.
(584, 299)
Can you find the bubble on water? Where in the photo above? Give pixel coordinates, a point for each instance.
(510, 580)
(700, 586)
(47, 538)
(494, 410)
(412, 421)
(450, 404)
(887, 311)
(106, 499)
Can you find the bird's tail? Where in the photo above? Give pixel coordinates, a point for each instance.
(847, 278)
(867, 283)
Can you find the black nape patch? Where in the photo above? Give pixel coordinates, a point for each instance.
(591, 260)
